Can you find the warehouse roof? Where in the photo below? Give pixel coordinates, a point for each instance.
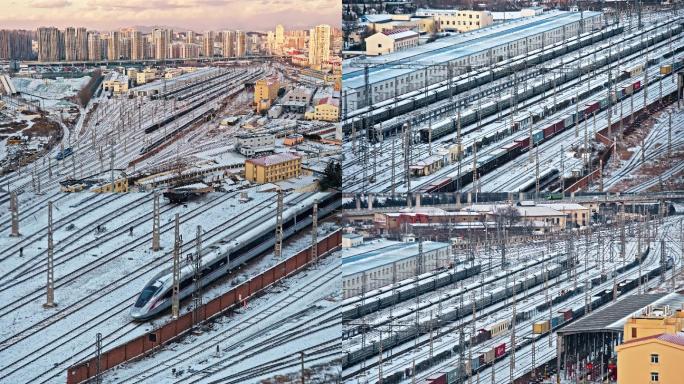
(459, 46)
(375, 254)
(274, 159)
(613, 317)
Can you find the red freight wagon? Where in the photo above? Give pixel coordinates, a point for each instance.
(511, 146)
(560, 126)
(437, 378)
(549, 131)
(524, 143)
(636, 85)
(567, 314)
(500, 350)
(591, 107)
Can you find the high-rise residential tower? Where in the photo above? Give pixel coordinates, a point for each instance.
(241, 40)
(279, 39)
(319, 45)
(208, 44)
(137, 46)
(81, 44)
(160, 40)
(94, 46)
(228, 44)
(50, 44)
(114, 46)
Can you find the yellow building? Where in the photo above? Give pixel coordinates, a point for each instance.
(651, 360)
(327, 109)
(453, 20)
(390, 41)
(117, 84)
(265, 91)
(147, 75)
(268, 169)
(577, 214)
(120, 186)
(653, 349)
(653, 324)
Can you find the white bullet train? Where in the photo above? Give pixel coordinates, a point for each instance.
(251, 239)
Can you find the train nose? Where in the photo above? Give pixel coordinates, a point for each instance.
(137, 313)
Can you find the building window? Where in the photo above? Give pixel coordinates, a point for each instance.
(654, 377)
(634, 333)
(654, 358)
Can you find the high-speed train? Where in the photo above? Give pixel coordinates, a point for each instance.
(245, 244)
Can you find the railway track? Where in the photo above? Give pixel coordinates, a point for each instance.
(234, 335)
(493, 309)
(421, 151)
(210, 236)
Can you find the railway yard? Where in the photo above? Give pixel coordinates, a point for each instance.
(492, 313)
(102, 250)
(159, 135)
(573, 115)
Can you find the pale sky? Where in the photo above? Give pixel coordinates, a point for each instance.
(198, 15)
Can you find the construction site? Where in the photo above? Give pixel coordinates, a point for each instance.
(452, 288)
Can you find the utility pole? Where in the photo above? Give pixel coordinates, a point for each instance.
(279, 226)
(14, 207)
(98, 358)
(663, 257)
(155, 224)
(50, 265)
(512, 359)
(176, 270)
(301, 359)
(536, 166)
(314, 232)
(197, 276)
(669, 134)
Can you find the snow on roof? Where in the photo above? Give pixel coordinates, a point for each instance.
(427, 161)
(458, 46)
(522, 210)
(538, 211)
(351, 235)
(613, 317)
(565, 206)
(329, 100)
(376, 18)
(370, 256)
(273, 159)
(672, 338)
(400, 34)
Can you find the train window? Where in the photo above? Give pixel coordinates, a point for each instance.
(152, 337)
(146, 295)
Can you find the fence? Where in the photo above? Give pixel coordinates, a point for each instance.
(173, 330)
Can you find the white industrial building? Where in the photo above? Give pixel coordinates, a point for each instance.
(379, 263)
(467, 50)
(255, 145)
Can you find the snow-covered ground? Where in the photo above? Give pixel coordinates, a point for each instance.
(593, 259)
(102, 259)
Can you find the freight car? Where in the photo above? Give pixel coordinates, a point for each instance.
(388, 109)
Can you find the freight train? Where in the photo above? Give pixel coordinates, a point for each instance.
(393, 109)
(509, 151)
(487, 356)
(410, 101)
